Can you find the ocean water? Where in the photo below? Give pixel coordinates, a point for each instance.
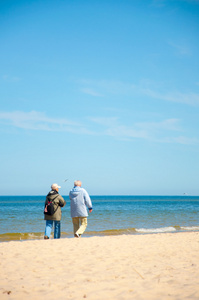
(21, 217)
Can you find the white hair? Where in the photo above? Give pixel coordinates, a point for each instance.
(77, 183)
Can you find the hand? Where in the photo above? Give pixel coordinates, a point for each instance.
(90, 210)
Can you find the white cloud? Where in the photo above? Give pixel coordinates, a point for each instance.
(169, 124)
(107, 86)
(39, 121)
(113, 128)
(8, 78)
(122, 131)
(180, 140)
(162, 3)
(146, 87)
(105, 121)
(181, 48)
(158, 3)
(91, 92)
(187, 98)
(191, 1)
(163, 131)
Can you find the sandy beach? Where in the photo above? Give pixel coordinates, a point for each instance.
(157, 266)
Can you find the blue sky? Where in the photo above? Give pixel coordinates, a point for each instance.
(102, 91)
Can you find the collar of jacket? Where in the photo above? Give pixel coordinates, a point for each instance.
(52, 192)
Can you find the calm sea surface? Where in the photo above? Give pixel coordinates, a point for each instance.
(21, 217)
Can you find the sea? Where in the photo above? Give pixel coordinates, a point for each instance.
(22, 218)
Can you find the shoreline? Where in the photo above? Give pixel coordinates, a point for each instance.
(149, 266)
(33, 236)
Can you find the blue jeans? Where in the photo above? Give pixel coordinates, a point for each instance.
(57, 228)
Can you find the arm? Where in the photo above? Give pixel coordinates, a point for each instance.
(88, 201)
(46, 202)
(62, 202)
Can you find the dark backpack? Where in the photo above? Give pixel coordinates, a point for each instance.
(49, 208)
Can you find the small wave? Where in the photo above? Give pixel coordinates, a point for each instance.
(18, 236)
(190, 228)
(113, 232)
(21, 236)
(156, 230)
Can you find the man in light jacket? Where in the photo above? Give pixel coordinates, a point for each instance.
(79, 202)
(58, 202)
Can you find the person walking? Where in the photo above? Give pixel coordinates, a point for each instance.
(79, 202)
(57, 202)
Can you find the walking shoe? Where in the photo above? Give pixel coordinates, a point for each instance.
(77, 235)
(46, 237)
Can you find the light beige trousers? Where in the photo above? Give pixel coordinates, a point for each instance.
(79, 225)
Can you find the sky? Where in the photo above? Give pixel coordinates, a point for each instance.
(106, 92)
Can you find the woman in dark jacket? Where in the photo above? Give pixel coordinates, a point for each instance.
(58, 202)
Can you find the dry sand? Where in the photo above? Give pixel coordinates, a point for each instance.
(157, 266)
